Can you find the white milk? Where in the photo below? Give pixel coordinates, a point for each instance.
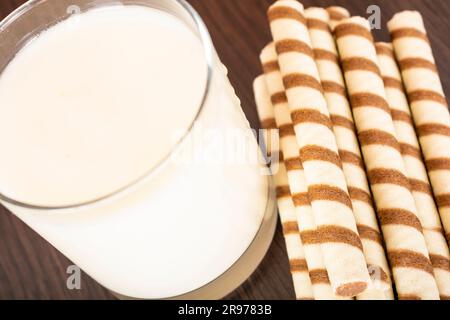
(91, 105)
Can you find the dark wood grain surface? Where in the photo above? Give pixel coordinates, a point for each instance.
(32, 269)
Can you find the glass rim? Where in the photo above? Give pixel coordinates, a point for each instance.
(208, 51)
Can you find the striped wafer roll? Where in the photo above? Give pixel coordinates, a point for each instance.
(428, 103)
(288, 217)
(327, 188)
(333, 84)
(319, 277)
(415, 167)
(336, 14)
(402, 230)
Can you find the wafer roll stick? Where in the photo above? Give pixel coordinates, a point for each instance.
(402, 230)
(308, 233)
(336, 14)
(327, 60)
(288, 217)
(327, 188)
(415, 167)
(428, 103)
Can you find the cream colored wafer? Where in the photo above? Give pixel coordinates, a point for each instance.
(428, 103)
(313, 254)
(294, 247)
(396, 209)
(337, 14)
(336, 227)
(415, 167)
(333, 84)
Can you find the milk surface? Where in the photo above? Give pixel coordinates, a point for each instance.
(91, 105)
(93, 102)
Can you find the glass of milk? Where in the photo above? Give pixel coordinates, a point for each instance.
(125, 147)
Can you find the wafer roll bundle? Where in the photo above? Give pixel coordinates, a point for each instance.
(319, 277)
(415, 167)
(402, 230)
(294, 247)
(428, 103)
(336, 227)
(326, 57)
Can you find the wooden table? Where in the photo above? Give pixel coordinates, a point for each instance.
(32, 269)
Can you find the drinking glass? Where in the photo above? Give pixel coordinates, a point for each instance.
(124, 239)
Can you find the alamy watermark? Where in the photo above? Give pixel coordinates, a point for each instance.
(74, 279)
(374, 18)
(206, 146)
(73, 9)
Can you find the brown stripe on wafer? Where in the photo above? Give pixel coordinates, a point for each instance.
(409, 150)
(295, 80)
(298, 265)
(293, 164)
(321, 54)
(388, 176)
(317, 153)
(334, 87)
(378, 272)
(280, 156)
(410, 259)
(409, 32)
(366, 232)
(329, 193)
(443, 200)
(378, 137)
(398, 115)
(268, 124)
(420, 95)
(444, 297)
(352, 29)
(283, 191)
(336, 234)
(335, 14)
(286, 130)
(291, 45)
(384, 50)
(319, 276)
(284, 12)
(440, 262)
(420, 186)
(310, 116)
(408, 297)
(366, 99)
(317, 24)
(438, 164)
(279, 97)
(290, 227)
(301, 199)
(352, 158)
(271, 66)
(394, 83)
(399, 216)
(433, 128)
(351, 289)
(412, 63)
(340, 121)
(360, 194)
(310, 237)
(358, 64)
